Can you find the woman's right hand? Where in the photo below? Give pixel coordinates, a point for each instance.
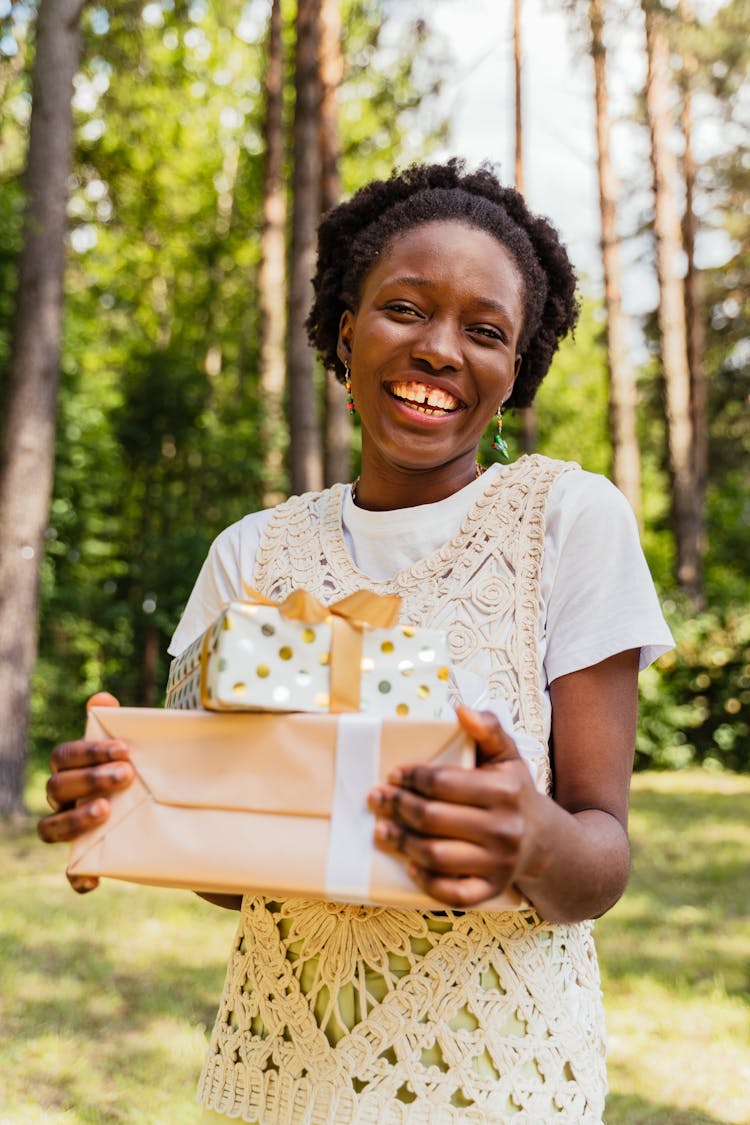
(84, 775)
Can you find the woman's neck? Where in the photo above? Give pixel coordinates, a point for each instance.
(380, 491)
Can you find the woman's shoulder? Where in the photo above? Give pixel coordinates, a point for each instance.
(580, 494)
(245, 533)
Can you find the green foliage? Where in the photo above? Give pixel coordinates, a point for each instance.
(393, 70)
(695, 703)
(571, 404)
(572, 400)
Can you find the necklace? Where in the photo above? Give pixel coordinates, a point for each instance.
(355, 482)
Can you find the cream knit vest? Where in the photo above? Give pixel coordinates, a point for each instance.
(337, 1014)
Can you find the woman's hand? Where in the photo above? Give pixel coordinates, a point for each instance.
(467, 835)
(84, 776)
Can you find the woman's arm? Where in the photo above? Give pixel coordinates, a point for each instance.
(584, 833)
(469, 835)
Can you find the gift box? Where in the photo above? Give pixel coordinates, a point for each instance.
(276, 804)
(303, 656)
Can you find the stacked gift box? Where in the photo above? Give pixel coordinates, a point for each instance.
(256, 656)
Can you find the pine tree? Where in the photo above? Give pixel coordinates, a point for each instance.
(30, 401)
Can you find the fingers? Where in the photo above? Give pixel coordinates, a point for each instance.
(456, 812)
(84, 774)
(83, 752)
(458, 858)
(493, 743)
(102, 699)
(70, 823)
(463, 894)
(74, 785)
(481, 788)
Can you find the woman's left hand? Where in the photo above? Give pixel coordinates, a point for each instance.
(467, 835)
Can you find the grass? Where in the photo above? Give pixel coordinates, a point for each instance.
(105, 1000)
(675, 955)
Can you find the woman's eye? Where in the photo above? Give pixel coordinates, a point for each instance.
(404, 310)
(487, 331)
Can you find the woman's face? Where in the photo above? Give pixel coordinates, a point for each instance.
(432, 350)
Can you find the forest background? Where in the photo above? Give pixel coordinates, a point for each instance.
(206, 140)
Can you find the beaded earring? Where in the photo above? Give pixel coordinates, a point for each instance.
(500, 444)
(348, 388)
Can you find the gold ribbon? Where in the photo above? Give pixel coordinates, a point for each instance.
(347, 619)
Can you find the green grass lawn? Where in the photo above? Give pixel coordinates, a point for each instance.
(105, 1000)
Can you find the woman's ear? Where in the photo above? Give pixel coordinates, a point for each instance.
(519, 361)
(346, 332)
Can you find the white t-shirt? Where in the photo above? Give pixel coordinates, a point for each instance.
(597, 595)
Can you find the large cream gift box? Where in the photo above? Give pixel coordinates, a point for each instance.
(276, 804)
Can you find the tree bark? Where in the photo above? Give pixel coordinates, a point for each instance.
(28, 440)
(518, 96)
(623, 396)
(306, 456)
(338, 430)
(272, 273)
(527, 414)
(672, 328)
(695, 314)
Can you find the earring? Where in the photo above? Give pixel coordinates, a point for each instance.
(500, 444)
(348, 388)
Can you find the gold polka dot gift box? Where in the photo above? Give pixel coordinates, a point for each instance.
(303, 656)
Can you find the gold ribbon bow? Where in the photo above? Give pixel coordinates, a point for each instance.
(347, 619)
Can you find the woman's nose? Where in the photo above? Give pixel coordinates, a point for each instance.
(439, 344)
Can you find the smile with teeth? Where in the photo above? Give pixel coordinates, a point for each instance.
(428, 400)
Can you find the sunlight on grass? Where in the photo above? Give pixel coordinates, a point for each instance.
(674, 955)
(106, 999)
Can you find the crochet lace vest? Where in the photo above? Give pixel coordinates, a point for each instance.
(337, 1014)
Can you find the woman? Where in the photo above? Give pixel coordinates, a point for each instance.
(439, 301)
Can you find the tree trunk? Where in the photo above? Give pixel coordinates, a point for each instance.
(623, 397)
(272, 273)
(527, 414)
(306, 459)
(28, 445)
(518, 96)
(672, 329)
(695, 314)
(338, 430)
(152, 646)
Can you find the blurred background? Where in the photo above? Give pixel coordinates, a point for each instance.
(163, 166)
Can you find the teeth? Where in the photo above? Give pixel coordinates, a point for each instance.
(418, 394)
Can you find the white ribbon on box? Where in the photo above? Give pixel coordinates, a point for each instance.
(350, 841)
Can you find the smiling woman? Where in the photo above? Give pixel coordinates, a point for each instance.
(439, 299)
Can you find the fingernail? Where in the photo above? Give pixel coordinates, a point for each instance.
(118, 772)
(82, 885)
(375, 799)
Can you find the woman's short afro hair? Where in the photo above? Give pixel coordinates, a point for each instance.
(353, 234)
